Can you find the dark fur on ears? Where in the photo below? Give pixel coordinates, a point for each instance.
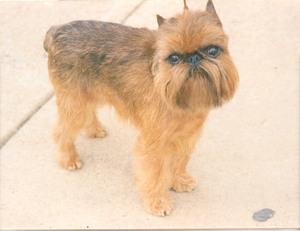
(160, 20)
(211, 9)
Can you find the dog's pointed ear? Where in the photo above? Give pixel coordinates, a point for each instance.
(210, 8)
(160, 20)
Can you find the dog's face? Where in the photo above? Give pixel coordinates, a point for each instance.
(192, 67)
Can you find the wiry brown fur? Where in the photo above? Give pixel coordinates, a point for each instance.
(94, 63)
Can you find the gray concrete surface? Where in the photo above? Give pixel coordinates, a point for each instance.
(247, 159)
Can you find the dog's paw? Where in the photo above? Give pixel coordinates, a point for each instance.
(158, 206)
(184, 183)
(70, 162)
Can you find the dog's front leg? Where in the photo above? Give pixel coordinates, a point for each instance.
(153, 176)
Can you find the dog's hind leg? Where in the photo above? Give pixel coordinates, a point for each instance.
(74, 110)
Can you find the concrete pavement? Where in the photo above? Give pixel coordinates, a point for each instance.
(246, 160)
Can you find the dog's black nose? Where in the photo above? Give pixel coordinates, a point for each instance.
(194, 59)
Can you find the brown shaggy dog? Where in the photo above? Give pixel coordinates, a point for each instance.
(164, 82)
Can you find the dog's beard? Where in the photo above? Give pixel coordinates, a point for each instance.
(191, 88)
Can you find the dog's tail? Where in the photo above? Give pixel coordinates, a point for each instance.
(49, 37)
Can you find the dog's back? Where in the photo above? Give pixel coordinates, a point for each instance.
(95, 49)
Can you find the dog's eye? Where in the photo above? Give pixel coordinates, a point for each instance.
(212, 51)
(174, 59)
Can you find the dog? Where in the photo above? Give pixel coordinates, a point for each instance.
(163, 81)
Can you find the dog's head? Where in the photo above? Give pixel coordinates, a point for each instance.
(191, 66)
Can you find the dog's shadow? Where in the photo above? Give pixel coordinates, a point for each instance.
(114, 152)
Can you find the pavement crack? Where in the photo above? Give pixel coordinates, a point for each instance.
(26, 119)
(134, 9)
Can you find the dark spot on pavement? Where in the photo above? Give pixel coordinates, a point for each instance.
(263, 215)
